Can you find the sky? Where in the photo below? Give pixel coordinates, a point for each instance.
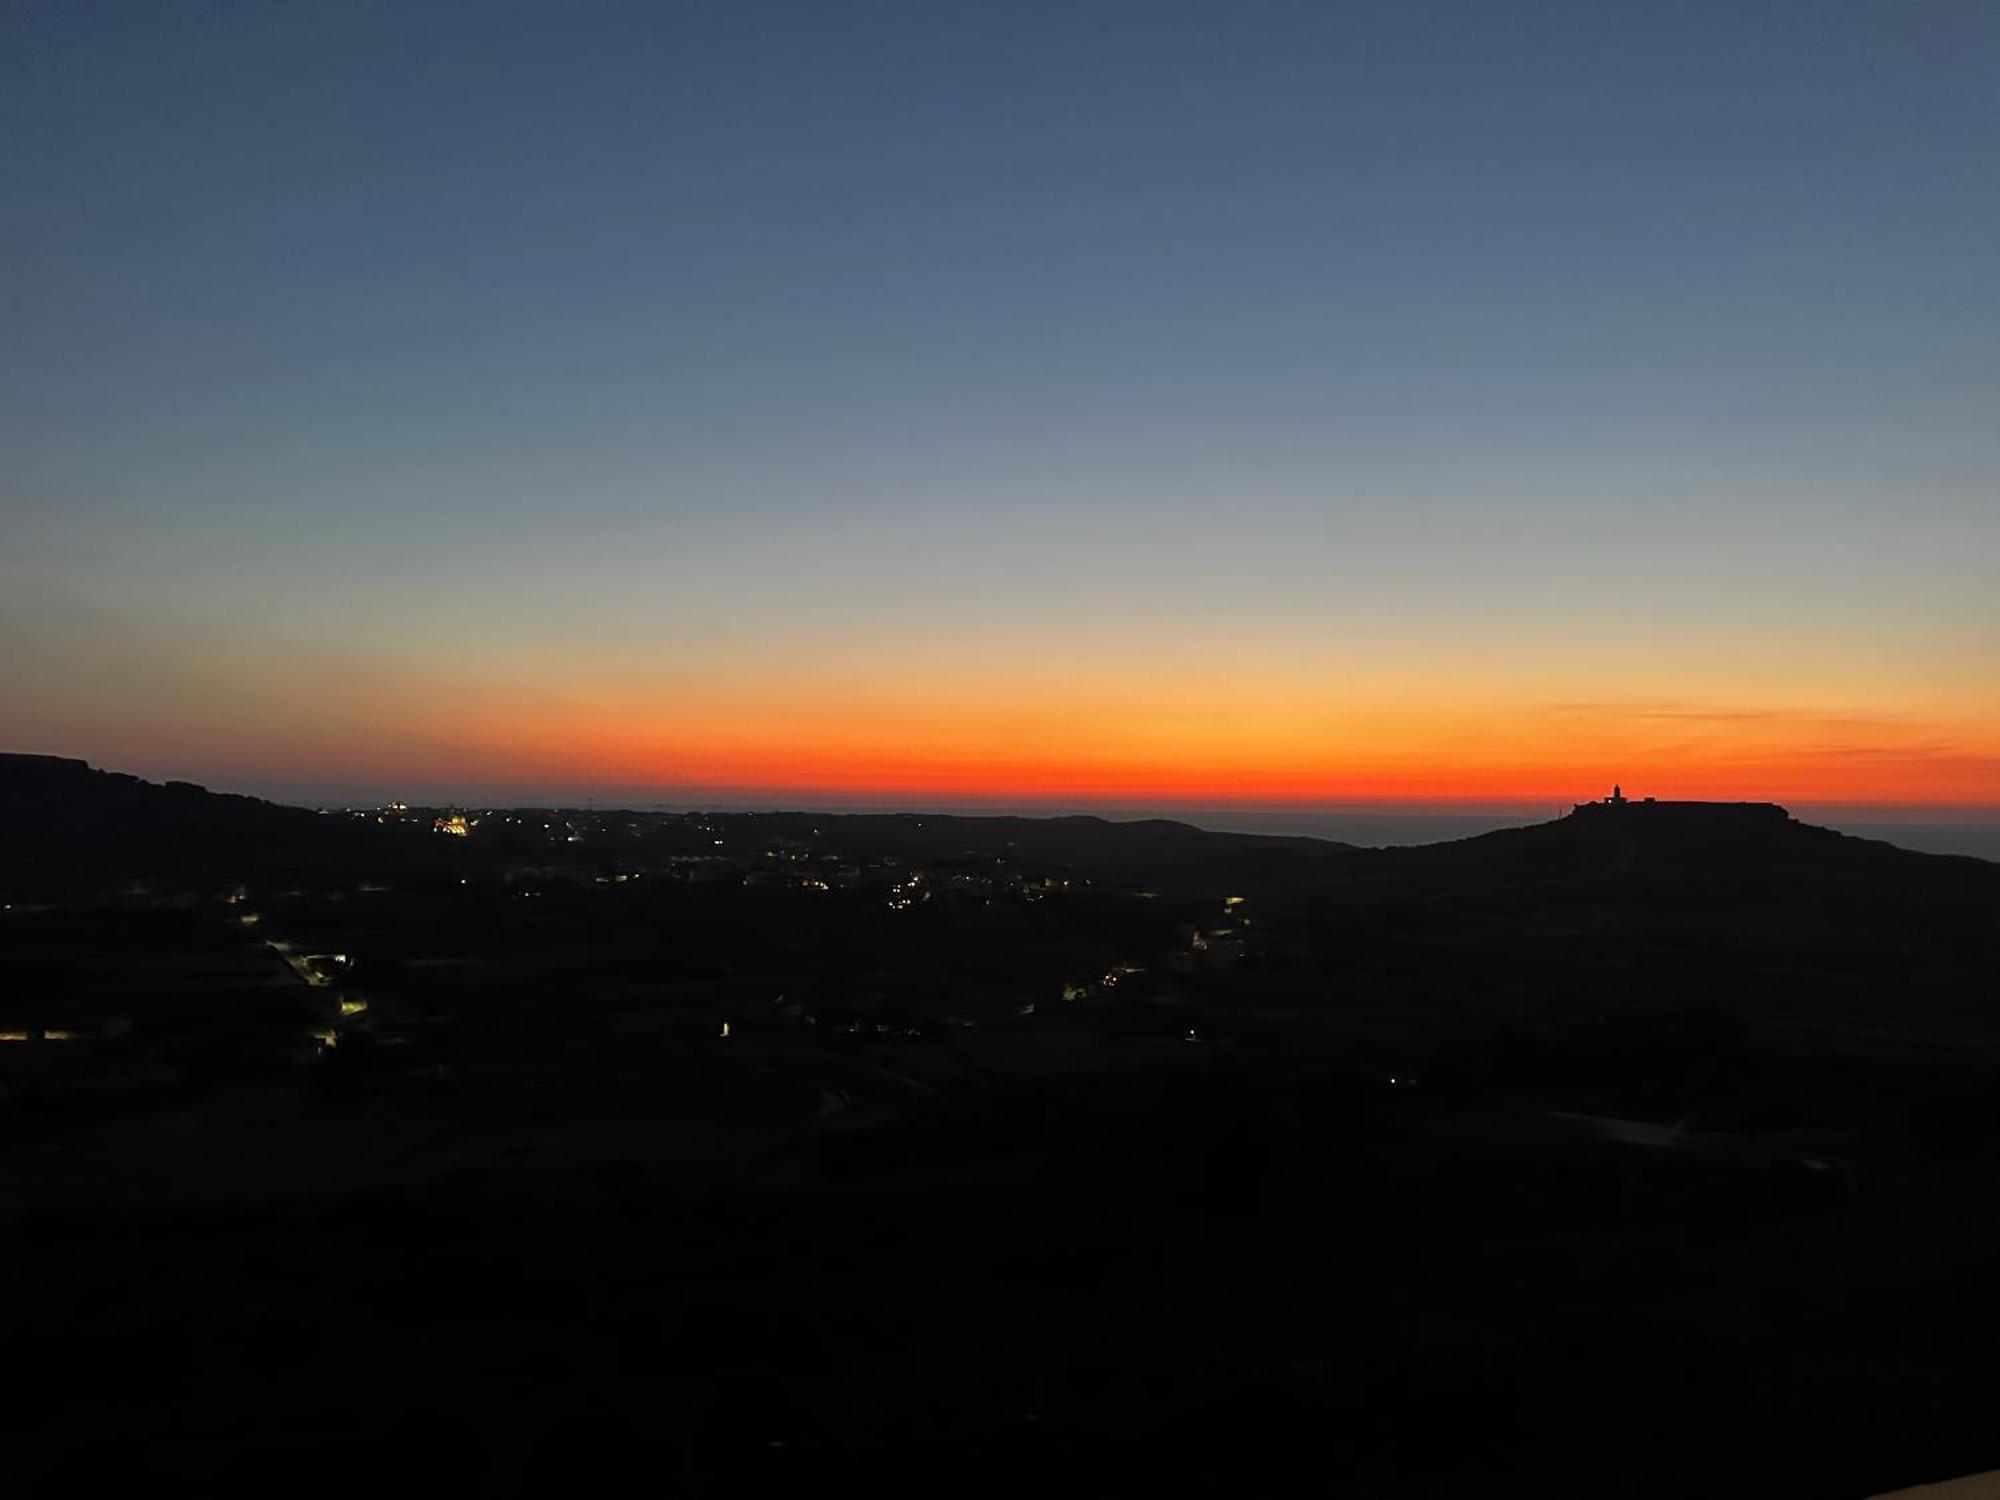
(1076, 404)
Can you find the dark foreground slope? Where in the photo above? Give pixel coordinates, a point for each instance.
(1648, 1152)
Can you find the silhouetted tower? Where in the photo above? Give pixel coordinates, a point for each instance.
(1617, 795)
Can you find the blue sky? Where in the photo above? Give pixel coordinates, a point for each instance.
(476, 340)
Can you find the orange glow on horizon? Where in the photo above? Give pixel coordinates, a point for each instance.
(1264, 748)
(1090, 729)
(1723, 773)
(1516, 760)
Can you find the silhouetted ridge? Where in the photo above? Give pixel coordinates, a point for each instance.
(67, 827)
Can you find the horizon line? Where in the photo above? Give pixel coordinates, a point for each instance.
(376, 791)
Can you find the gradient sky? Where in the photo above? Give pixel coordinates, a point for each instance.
(1172, 402)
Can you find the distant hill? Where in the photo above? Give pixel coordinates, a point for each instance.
(1734, 906)
(1695, 846)
(1157, 848)
(1660, 864)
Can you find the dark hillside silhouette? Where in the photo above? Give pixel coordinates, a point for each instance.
(67, 827)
